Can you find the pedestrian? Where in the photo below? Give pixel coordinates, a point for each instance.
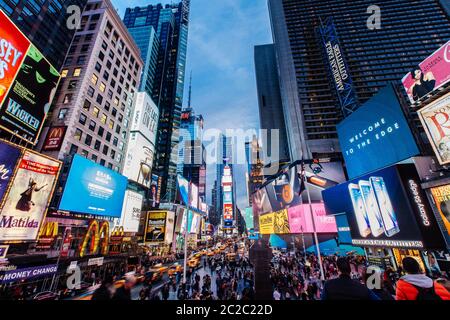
(417, 286)
(344, 287)
(276, 294)
(105, 291)
(165, 291)
(124, 292)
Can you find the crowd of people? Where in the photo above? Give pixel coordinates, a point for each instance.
(296, 276)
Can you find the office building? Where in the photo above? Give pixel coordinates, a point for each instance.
(45, 24)
(371, 58)
(100, 79)
(270, 106)
(170, 22)
(255, 165)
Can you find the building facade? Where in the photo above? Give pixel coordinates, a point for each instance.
(45, 24)
(374, 57)
(171, 23)
(255, 167)
(100, 79)
(270, 106)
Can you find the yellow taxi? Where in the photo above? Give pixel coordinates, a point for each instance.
(211, 253)
(174, 269)
(193, 263)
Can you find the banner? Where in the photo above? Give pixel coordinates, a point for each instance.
(28, 198)
(30, 96)
(27, 273)
(14, 49)
(131, 211)
(266, 224)
(441, 197)
(54, 139)
(156, 226)
(183, 187)
(435, 118)
(155, 191)
(431, 74)
(300, 219)
(9, 155)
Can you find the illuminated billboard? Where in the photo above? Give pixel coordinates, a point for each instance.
(155, 229)
(139, 159)
(9, 155)
(300, 220)
(54, 139)
(387, 208)
(441, 198)
(435, 118)
(376, 135)
(93, 189)
(431, 74)
(131, 211)
(27, 200)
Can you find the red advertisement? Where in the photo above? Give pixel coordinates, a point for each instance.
(13, 48)
(430, 74)
(55, 137)
(228, 211)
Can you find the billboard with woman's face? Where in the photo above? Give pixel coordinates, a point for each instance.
(430, 74)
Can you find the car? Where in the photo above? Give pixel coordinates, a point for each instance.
(176, 267)
(210, 253)
(194, 263)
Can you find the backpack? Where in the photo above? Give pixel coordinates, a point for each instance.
(427, 294)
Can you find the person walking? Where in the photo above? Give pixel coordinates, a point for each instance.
(105, 291)
(344, 287)
(124, 292)
(417, 286)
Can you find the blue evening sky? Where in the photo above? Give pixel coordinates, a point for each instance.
(222, 35)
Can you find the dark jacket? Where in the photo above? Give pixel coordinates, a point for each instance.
(122, 294)
(345, 288)
(101, 294)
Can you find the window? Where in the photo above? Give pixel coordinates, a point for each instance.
(90, 92)
(105, 150)
(113, 154)
(108, 64)
(114, 112)
(104, 45)
(81, 60)
(94, 79)
(64, 73)
(107, 106)
(111, 124)
(103, 118)
(115, 72)
(97, 145)
(113, 84)
(98, 67)
(118, 129)
(101, 56)
(110, 166)
(92, 125)
(92, 26)
(67, 98)
(72, 84)
(106, 75)
(115, 141)
(120, 118)
(84, 153)
(88, 140)
(95, 112)
(102, 87)
(62, 113)
(121, 146)
(108, 136)
(73, 149)
(110, 94)
(102, 162)
(94, 158)
(101, 131)
(78, 134)
(116, 101)
(77, 72)
(99, 99)
(82, 119)
(119, 158)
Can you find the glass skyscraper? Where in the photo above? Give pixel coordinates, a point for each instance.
(44, 22)
(410, 31)
(171, 23)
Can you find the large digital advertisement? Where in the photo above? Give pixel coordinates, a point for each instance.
(28, 197)
(387, 208)
(93, 189)
(131, 211)
(376, 135)
(441, 197)
(435, 119)
(431, 74)
(9, 155)
(300, 219)
(155, 230)
(139, 160)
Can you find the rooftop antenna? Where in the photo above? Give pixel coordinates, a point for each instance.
(190, 91)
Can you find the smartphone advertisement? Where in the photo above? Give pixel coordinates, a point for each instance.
(387, 208)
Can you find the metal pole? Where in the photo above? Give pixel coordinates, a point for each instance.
(59, 258)
(322, 274)
(303, 241)
(186, 235)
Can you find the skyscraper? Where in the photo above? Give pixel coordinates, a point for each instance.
(269, 101)
(254, 167)
(373, 58)
(171, 24)
(45, 24)
(94, 101)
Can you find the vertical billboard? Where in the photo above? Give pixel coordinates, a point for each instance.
(435, 118)
(376, 135)
(139, 159)
(54, 139)
(170, 226)
(9, 155)
(248, 217)
(28, 197)
(441, 197)
(194, 196)
(155, 191)
(93, 189)
(387, 208)
(431, 74)
(30, 96)
(155, 229)
(14, 49)
(131, 211)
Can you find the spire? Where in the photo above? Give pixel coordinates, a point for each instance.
(190, 91)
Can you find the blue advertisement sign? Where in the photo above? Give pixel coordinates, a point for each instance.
(376, 135)
(27, 273)
(183, 187)
(93, 189)
(343, 228)
(9, 156)
(227, 197)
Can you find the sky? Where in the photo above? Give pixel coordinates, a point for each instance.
(222, 36)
